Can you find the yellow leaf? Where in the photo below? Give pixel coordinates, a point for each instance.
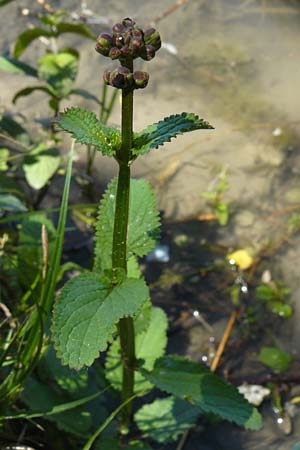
(241, 258)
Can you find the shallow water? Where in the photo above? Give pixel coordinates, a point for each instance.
(237, 66)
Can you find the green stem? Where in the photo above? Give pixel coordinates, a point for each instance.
(119, 253)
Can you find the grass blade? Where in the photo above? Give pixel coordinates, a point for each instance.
(56, 409)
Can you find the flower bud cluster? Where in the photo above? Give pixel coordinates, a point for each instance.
(122, 78)
(128, 40)
(126, 43)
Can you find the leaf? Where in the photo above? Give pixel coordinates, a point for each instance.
(281, 309)
(5, 2)
(40, 165)
(41, 397)
(110, 443)
(187, 379)
(86, 129)
(59, 70)
(71, 381)
(12, 65)
(28, 90)
(275, 359)
(4, 155)
(10, 126)
(165, 419)
(85, 94)
(54, 18)
(149, 346)
(133, 268)
(28, 36)
(265, 292)
(222, 214)
(139, 445)
(142, 320)
(143, 222)
(170, 127)
(10, 203)
(105, 424)
(86, 313)
(57, 409)
(77, 28)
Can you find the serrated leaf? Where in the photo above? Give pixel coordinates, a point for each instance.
(143, 222)
(85, 315)
(142, 320)
(86, 129)
(163, 131)
(59, 70)
(12, 65)
(186, 379)
(149, 345)
(165, 419)
(133, 268)
(41, 397)
(30, 89)
(76, 28)
(40, 165)
(28, 36)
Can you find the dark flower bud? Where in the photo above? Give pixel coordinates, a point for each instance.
(127, 37)
(106, 77)
(125, 51)
(152, 37)
(128, 23)
(114, 53)
(118, 40)
(121, 78)
(140, 79)
(150, 53)
(136, 44)
(137, 33)
(104, 44)
(118, 28)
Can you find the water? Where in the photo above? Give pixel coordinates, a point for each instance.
(236, 64)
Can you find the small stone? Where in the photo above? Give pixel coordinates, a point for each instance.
(255, 394)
